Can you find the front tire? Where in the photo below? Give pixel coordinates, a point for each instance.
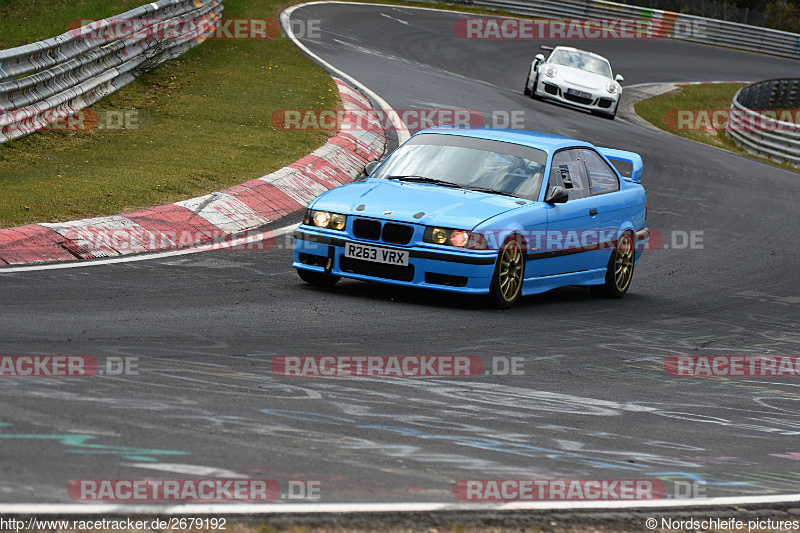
(619, 271)
(318, 279)
(609, 116)
(527, 91)
(531, 91)
(506, 285)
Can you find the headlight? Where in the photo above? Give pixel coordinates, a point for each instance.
(611, 87)
(459, 238)
(321, 219)
(324, 219)
(337, 221)
(438, 236)
(550, 71)
(455, 237)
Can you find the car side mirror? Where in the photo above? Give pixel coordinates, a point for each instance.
(557, 195)
(619, 78)
(370, 167)
(540, 58)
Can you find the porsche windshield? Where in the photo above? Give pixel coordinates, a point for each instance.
(580, 60)
(469, 163)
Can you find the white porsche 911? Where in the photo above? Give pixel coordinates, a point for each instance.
(575, 77)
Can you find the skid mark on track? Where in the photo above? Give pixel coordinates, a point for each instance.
(78, 443)
(769, 298)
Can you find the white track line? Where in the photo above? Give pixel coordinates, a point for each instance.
(286, 15)
(79, 263)
(324, 508)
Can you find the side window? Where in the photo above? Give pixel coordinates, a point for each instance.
(601, 177)
(568, 171)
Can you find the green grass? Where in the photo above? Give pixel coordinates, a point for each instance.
(697, 122)
(206, 124)
(27, 21)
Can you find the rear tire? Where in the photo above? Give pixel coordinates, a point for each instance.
(619, 271)
(318, 279)
(506, 285)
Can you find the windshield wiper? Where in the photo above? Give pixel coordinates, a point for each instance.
(423, 179)
(492, 191)
(434, 181)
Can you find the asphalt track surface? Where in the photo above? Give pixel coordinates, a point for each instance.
(594, 400)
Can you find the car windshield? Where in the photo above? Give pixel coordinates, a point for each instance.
(469, 163)
(581, 60)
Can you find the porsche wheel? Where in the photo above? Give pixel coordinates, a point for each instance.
(509, 273)
(318, 279)
(528, 91)
(619, 271)
(609, 116)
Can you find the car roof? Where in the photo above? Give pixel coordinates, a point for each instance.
(534, 139)
(571, 49)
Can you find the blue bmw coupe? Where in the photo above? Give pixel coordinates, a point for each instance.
(504, 213)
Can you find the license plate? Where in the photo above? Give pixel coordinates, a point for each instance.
(375, 254)
(578, 93)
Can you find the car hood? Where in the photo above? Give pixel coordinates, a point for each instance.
(582, 78)
(404, 201)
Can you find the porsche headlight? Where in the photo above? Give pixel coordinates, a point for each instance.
(550, 71)
(325, 219)
(612, 87)
(458, 238)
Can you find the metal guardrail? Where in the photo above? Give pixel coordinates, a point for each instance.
(49, 80)
(752, 126)
(662, 23)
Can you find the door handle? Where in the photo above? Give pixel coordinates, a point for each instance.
(592, 212)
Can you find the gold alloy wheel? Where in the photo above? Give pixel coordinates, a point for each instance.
(623, 264)
(510, 273)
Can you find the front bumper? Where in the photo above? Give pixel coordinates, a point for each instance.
(452, 270)
(601, 101)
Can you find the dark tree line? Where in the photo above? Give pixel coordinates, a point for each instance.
(777, 14)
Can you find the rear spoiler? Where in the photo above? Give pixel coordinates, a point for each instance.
(634, 159)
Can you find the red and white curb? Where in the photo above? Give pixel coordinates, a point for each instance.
(215, 217)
